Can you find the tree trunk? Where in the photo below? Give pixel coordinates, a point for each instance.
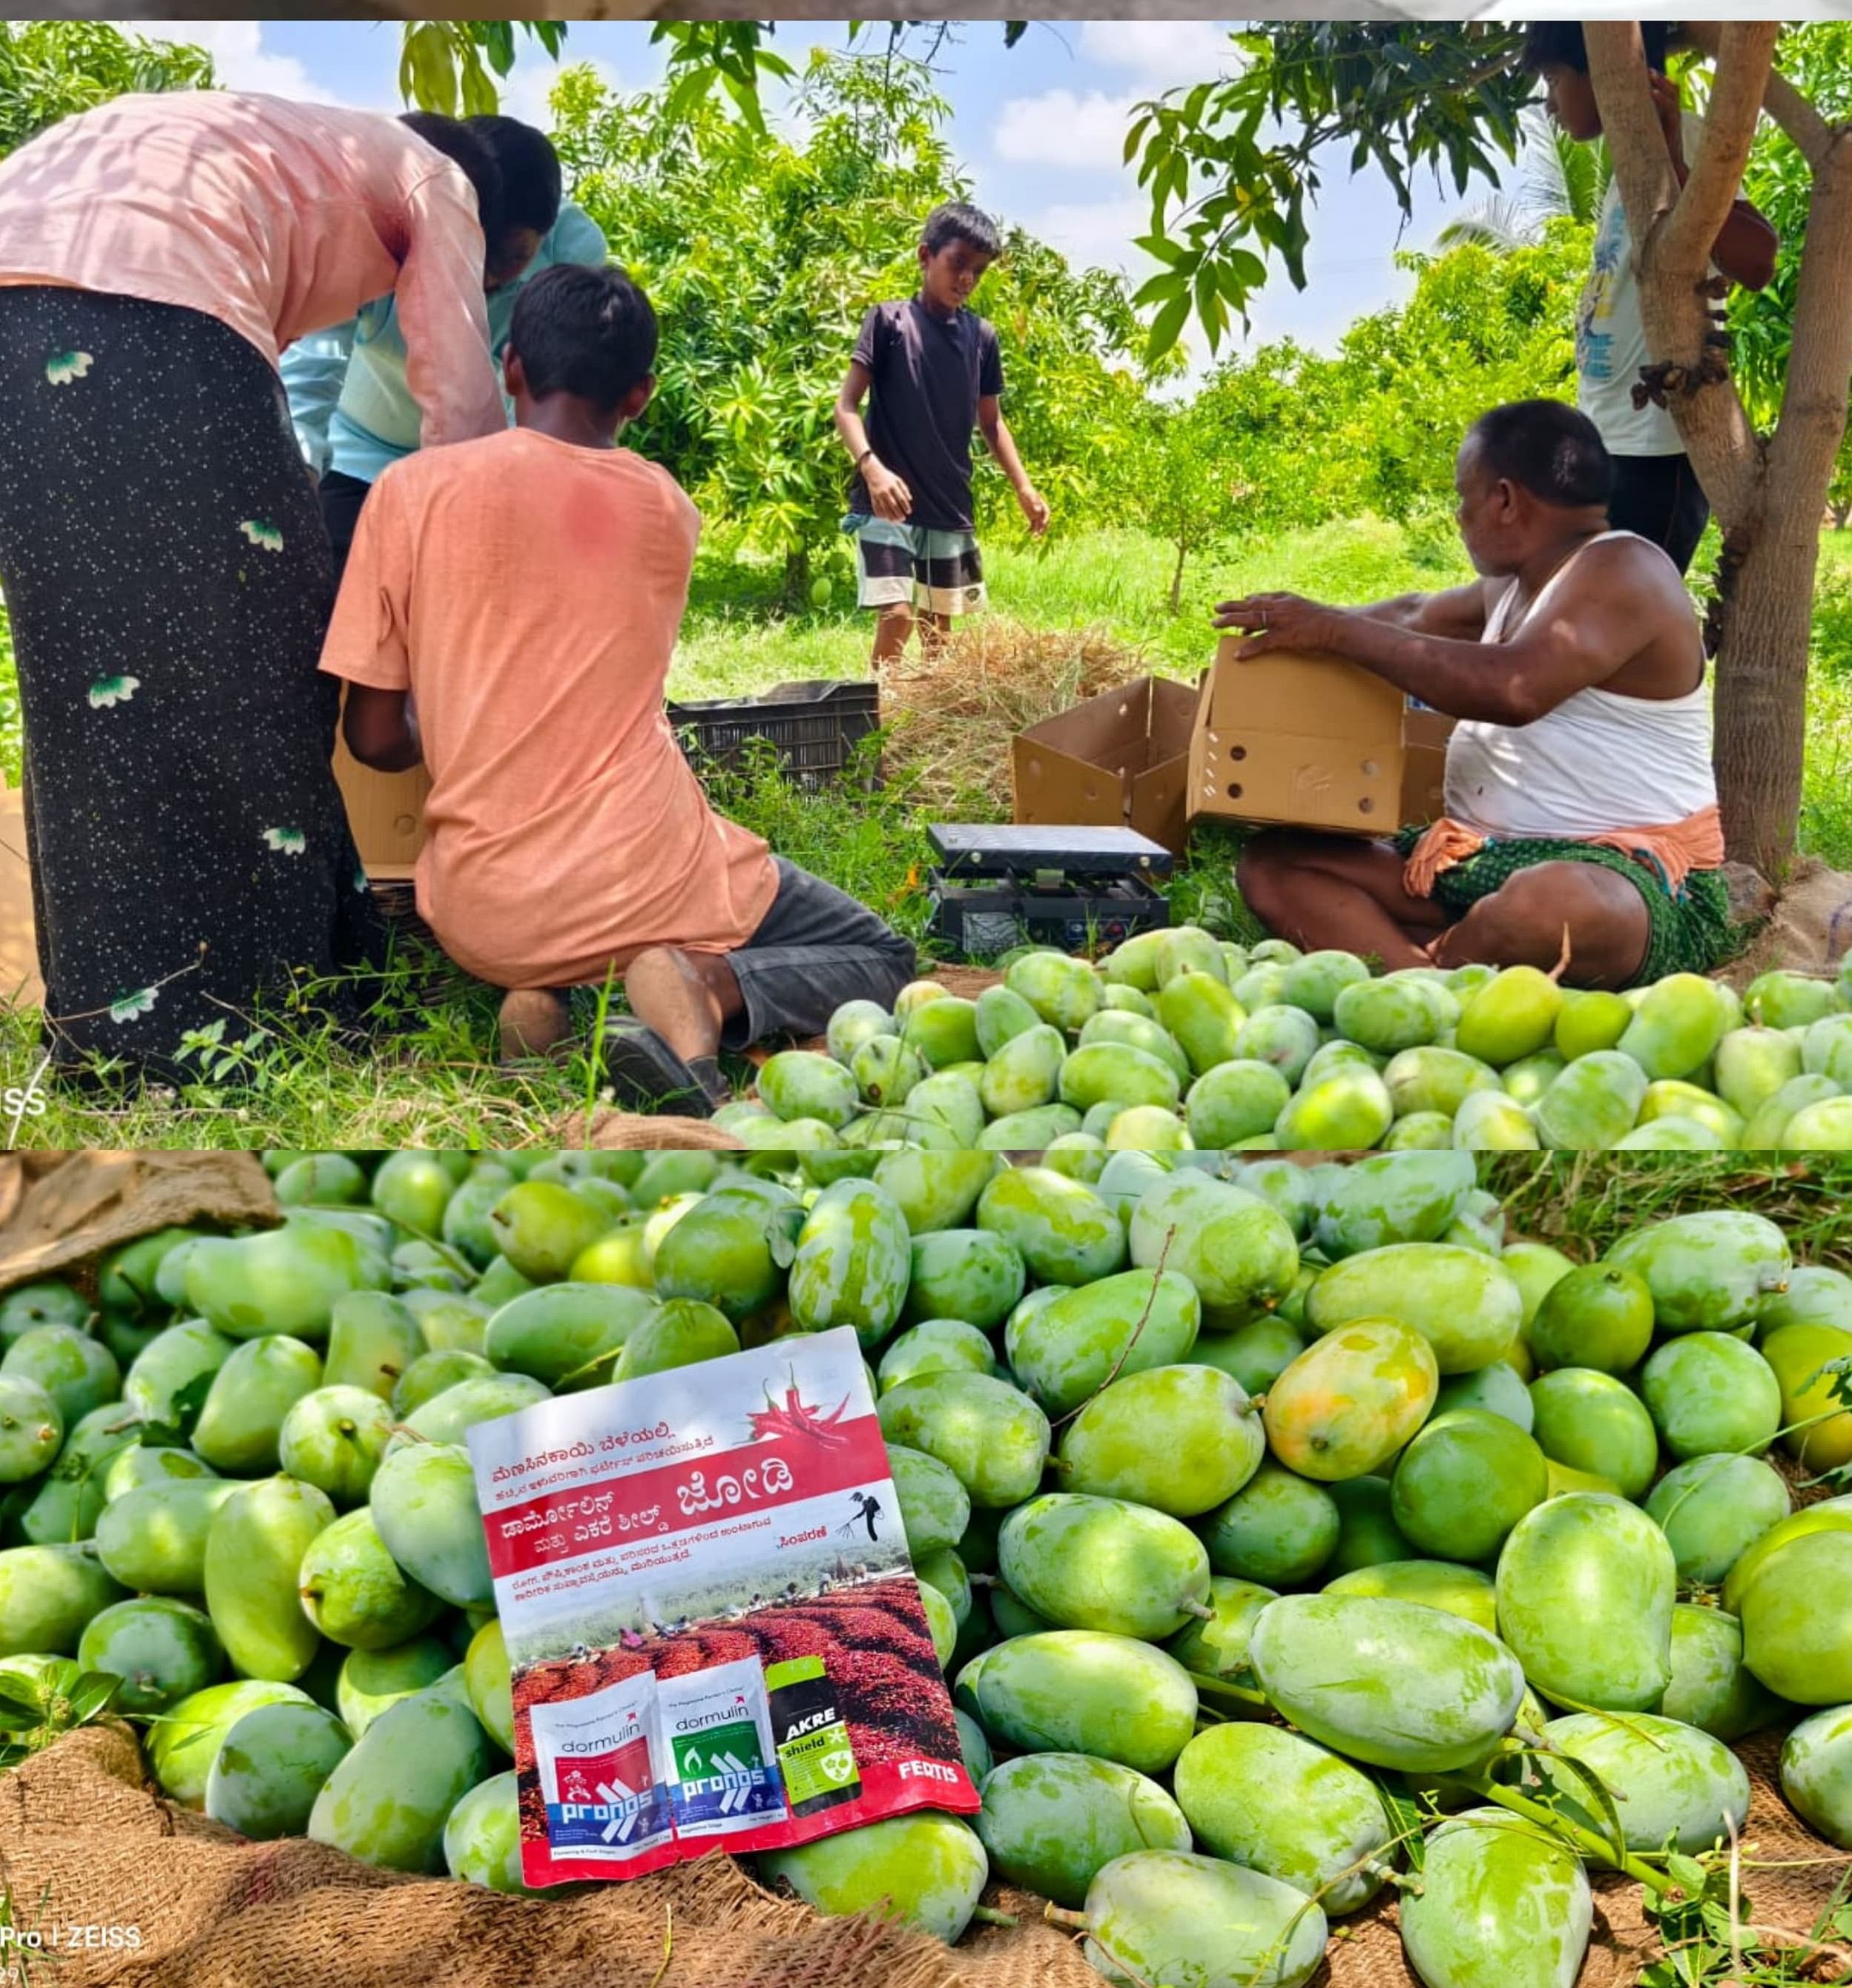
(1176, 576)
(1761, 706)
(796, 588)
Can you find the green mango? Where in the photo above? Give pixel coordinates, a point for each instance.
(1368, 1535)
(1593, 1103)
(79, 1373)
(1669, 1097)
(283, 1280)
(1113, 1025)
(1285, 1038)
(1712, 1508)
(1182, 949)
(1823, 1126)
(974, 1274)
(1766, 1126)
(1707, 1391)
(1346, 1109)
(271, 1766)
(1586, 1587)
(1314, 981)
(1170, 1916)
(133, 1464)
(447, 1319)
(1828, 1515)
(28, 1306)
(935, 1509)
(1234, 1247)
(320, 1178)
(1197, 1009)
(1794, 1608)
(486, 1679)
(1503, 1904)
(1431, 1078)
(1597, 1315)
(1782, 1000)
(945, 1108)
(802, 1083)
(243, 1417)
(1270, 1801)
(1064, 1351)
(932, 1346)
(1179, 1440)
(1675, 1785)
(466, 1214)
(1064, 1231)
(1001, 1013)
(719, 1254)
(1489, 1121)
(256, 1546)
(388, 1801)
(1080, 1155)
(682, 1333)
(1278, 1529)
(1752, 1065)
(444, 1417)
(1462, 1303)
(1235, 1101)
(926, 1870)
(540, 1226)
(412, 1190)
(1815, 1295)
(1255, 1354)
(423, 1501)
(372, 1339)
(566, 1335)
(1707, 1273)
(1820, 1437)
(1216, 1645)
(153, 1536)
(1676, 1027)
(1592, 1422)
(1088, 1562)
(972, 1744)
(1464, 1482)
(1528, 1078)
(1024, 1072)
(1499, 1388)
(31, 1428)
(934, 1193)
(1028, 1131)
(1393, 1198)
(943, 1031)
(1352, 1399)
(1101, 1072)
(1421, 1132)
(162, 1649)
(1435, 1584)
(1051, 1822)
(853, 1261)
(434, 1374)
(1391, 1016)
(182, 1744)
(1081, 1692)
(1512, 1016)
(993, 1438)
(1390, 1683)
(1589, 1021)
(1065, 992)
(1817, 1773)
(482, 1837)
(853, 1023)
(1133, 962)
(370, 1680)
(1711, 1689)
(1142, 1129)
(355, 1593)
(333, 1439)
(50, 1594)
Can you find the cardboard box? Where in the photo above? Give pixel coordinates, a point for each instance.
(1303, 741)
(387, 813)
(1119, 760)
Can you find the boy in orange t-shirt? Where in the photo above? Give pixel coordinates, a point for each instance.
(568, 837)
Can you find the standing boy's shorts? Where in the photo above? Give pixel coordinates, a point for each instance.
(913, 566)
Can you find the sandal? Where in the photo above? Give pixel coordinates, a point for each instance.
(646, 1075)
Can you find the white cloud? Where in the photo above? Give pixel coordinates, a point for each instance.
(1060, 129)
(240, 60)
(1161, 53)
(1097, 235)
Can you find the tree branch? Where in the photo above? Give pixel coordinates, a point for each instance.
(1811, 132)
(1812, 420)
(1643, 167)
(1723, 145)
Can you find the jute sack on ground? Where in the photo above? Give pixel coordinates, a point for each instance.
(65, 1216)
(86, 1841)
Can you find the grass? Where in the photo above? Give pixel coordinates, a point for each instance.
(279, 1077)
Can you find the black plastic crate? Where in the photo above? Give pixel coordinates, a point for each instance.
(815, 727)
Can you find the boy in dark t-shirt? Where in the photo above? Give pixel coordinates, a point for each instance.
(935, 373)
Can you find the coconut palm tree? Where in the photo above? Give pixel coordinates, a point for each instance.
(1559, 177)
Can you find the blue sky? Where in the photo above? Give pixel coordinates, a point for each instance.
(1038, 129)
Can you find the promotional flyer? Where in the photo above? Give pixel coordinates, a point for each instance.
(715, 1633)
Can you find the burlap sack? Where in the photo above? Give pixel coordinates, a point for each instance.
(1808, 931)
(85, 1840)
(630, 1132)
(63, 1216)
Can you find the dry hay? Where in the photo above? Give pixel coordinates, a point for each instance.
(953, 711)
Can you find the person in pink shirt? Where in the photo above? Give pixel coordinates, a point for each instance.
(162, 558)
(568, 839)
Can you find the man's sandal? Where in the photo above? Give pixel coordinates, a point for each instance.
(646, 1075)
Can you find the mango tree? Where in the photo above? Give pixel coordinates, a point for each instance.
(1232, 164)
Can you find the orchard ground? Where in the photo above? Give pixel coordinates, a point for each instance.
(274, 1080)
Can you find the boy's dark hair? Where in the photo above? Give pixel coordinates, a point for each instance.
(1548, 448)
(530, 168)
(1560, 45)
(956, 220)
(591, 333)
(469, 149)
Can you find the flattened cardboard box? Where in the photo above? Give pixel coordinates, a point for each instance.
(1311, 741)
(386, 812)
(1119, 760)
(19, 982)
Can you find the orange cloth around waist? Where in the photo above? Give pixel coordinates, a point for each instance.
(1677, 847)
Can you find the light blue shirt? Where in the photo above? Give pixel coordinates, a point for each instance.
(352, 409)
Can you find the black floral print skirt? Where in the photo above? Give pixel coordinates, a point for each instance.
(169, 582)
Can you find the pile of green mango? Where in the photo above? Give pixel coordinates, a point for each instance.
(1241, 1491)
(1178, 1040)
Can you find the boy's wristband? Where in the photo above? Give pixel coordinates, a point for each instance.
(864, 456)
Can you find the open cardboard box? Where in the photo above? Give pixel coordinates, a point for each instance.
(386, 812)
(1119, 760)
(1310, 741)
